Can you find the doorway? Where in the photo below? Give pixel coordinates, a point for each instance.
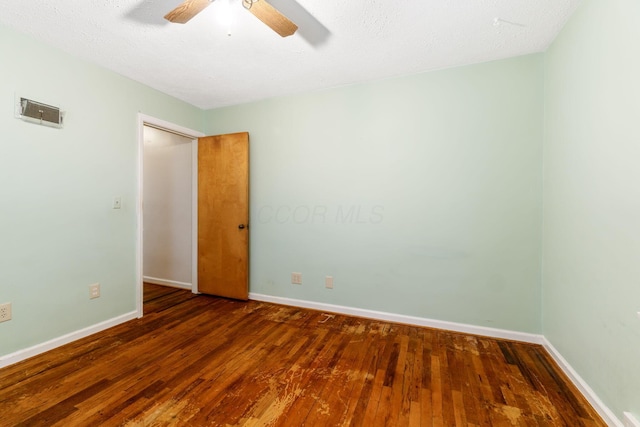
(188, 144)
(167, 209)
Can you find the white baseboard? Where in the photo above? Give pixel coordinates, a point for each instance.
(607, 415)
(400, 318)
(165, 282)
(630, 420)
(26, 353)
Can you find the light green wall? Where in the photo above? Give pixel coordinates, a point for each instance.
(58, 233)
(592, 199)
(420, 195)
(441, 173)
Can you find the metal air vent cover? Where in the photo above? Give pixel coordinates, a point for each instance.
(37, 112)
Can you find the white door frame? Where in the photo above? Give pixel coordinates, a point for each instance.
(143, 120)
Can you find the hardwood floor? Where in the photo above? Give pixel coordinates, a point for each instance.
(201, 361)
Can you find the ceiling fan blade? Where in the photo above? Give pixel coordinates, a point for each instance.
(272, 18)
(187, 10)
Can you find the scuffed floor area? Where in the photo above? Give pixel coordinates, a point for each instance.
(205, 361)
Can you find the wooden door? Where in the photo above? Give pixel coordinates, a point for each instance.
(223, 215)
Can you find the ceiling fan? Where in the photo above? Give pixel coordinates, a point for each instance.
(262, 10)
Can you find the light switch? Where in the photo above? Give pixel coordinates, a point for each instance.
(117, 203)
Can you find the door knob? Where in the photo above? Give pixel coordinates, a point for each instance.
(241, 226)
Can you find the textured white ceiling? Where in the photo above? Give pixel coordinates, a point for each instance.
(338, 43)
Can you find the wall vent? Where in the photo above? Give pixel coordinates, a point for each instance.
(39, 113)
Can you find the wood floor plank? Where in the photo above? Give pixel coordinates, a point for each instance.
(196, 360)
(362, 389)
(332, 402)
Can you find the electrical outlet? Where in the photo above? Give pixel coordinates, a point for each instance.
(94, 291)
(5, 312)
(328, 282)
(296, 278)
